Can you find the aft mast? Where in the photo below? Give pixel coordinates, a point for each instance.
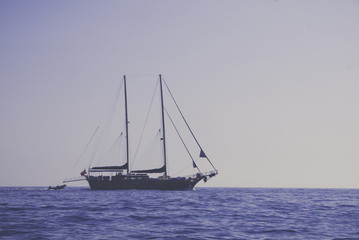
(126, 116)
(163, 129)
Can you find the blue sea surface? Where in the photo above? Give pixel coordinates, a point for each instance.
(206, 213)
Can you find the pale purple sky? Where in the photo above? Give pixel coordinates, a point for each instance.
(269, 87)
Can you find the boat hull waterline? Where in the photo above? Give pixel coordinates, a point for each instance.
(124, 182)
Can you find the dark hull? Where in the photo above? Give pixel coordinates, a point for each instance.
(57, 187)
(120, 183)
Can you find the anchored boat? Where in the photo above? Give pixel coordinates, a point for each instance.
(58, 187)
(117, 177)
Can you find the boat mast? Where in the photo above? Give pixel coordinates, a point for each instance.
(163, 128)
(126, 116)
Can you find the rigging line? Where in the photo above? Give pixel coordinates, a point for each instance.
(143, 129)
(118, 140)
(180, 171)
(150, 152)
(187, 124)
(107, 125)
(93, 135)
(179, 135)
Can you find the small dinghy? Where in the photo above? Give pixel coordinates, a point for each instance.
(58, 187)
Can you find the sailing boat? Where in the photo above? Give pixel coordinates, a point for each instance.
(122, 177)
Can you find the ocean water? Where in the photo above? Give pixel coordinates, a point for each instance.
(206, 213)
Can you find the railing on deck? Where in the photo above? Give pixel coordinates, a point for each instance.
(209, 173)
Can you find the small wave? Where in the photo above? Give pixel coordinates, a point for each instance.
(16, 209)
(78, 218)
(281, 231)
(347, 206)
(127, 208)
(275, 231)
(356, 238)
(11, 233)
(147, 218)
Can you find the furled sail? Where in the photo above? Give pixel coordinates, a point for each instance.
(155, 170)
(111, 167)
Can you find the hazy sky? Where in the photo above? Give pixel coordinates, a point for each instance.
(269, 87)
